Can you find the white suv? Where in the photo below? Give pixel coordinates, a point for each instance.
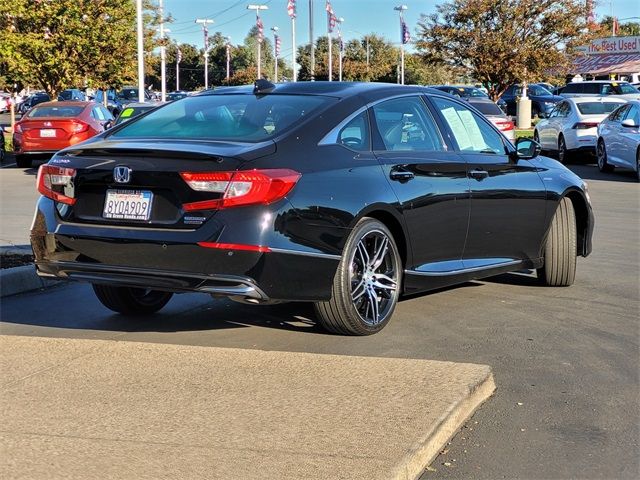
(601, 88)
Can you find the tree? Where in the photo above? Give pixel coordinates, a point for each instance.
(500, 42)
(70, 43)
(625, 29)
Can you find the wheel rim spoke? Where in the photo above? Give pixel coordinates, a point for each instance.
(374, 277)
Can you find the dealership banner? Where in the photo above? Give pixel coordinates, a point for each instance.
(609, 55)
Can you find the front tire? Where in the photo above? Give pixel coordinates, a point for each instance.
(366, 286)
(559, 268)
(601, 153)
(131, 301)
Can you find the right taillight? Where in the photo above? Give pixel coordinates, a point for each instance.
(246, 187)
(56, 183)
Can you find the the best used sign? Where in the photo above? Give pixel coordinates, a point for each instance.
(612, 45)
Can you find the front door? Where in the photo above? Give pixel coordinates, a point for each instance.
(508, 197)
(429, 180)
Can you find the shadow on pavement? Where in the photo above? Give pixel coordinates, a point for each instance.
(591, 172)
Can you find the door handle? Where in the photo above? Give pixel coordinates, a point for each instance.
(401, 175)
(478, 174)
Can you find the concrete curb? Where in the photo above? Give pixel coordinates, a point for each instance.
(21, 279)
(427, 449)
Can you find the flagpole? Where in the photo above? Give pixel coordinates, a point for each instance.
(257, 8)
(401, 9)
(339, 22)
(291, 11)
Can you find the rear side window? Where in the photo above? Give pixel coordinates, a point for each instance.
(574, 88)
(355, 134)
(55, 112)
(597, 108)
(406, 124)
(232, 117)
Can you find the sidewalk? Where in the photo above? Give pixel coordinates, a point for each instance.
(107, 409)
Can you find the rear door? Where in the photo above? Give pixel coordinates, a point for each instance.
(629, 137)
(428, 178)
(508, 198)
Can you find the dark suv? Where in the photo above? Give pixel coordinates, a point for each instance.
(601, 88)
(542, 100)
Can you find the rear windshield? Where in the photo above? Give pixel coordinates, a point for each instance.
(232, 117)
(487, 108)
(597, 108)
(55, 112)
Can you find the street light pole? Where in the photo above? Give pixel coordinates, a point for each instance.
(140, 51)
(340, 48)
(291, 11)
(163, 58)
(276, 51)
(205, 33)
(400, 9)
(257, 8)
(228, 49)
(178, 60)
(311, 42)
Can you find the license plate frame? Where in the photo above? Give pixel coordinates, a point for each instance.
(128, 205)
(47, 133)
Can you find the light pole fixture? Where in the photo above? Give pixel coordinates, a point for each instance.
(276, 51)
(403, 38)
(257, 8)
(205, 32)
(291, 11)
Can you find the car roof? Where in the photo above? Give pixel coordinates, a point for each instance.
(143, 104)
(596, 99)
(597, 81)
(334, 89)
(66, 103)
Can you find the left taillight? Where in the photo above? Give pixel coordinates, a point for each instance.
(241, 188)
(584, 125)
(505, 126)
(56, 183)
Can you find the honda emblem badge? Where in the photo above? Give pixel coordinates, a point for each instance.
(122, 174)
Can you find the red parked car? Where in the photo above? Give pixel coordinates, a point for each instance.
(52, 126)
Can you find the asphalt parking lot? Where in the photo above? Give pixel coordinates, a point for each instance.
(565, 360)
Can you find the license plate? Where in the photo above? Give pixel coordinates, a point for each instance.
(128, 205)
(47, 133)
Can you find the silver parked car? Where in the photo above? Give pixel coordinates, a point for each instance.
(619, 139)
(572, 125)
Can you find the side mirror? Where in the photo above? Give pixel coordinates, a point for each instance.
(526, 149)
(108, 124)
(629, 123)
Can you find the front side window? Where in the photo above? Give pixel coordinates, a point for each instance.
(472, 133)
(618, 114)
(230, 117)
(634, 114)
(355, 134)
(406, 124)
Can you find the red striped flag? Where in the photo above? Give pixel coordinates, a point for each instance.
(291, 8)
(260, 29)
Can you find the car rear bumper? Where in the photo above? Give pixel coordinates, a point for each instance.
(179, 261)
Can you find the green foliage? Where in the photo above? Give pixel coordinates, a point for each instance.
(625, 28)
(58, 44)
(500, 42)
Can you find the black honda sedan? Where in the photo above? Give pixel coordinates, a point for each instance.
(346, 195)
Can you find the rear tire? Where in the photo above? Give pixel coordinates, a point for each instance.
(559, 268)
(601, 154)
(22, 161)
(366, 286)
(131, 301)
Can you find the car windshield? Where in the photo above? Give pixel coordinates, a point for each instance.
(488, 108)
(232, 117)
(55, 112)
(597, 108)
(539, 91)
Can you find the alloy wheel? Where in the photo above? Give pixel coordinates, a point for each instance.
(374, 275)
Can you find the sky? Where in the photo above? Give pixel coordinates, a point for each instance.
(360, 17)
